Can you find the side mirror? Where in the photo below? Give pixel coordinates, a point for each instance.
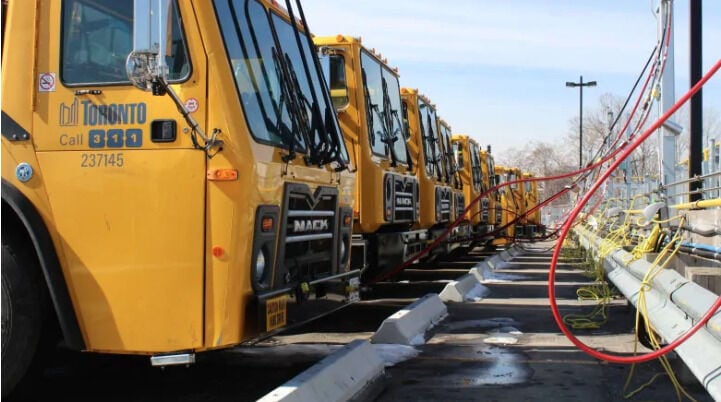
(145, 65)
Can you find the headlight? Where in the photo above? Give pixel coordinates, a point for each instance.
(259, 272)
(343, 251)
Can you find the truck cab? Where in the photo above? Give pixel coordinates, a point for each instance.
(533, 219)
(425, 151)
(194, 195)
(366, 95)
(468, 157)
(504, 232)
(452, 176)
(519, 202)
(489, 181)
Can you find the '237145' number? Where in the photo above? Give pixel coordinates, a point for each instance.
(91, 160)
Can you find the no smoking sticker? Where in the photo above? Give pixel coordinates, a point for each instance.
(46, 82)
(191, 105)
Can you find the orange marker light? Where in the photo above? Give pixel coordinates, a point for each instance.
(346, 220)
(222, 175)
(218, 251)
(266, 224)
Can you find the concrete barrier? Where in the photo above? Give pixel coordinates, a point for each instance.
(467, 287)
(342, 376)
(408, 326)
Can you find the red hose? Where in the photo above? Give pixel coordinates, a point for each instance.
(577, 209)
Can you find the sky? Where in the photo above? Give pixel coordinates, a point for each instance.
(497, 69)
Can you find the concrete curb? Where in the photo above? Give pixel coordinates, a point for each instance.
(462, 289)
(339, 377)
(493, 262)
(407, 326)
(515, 251)
(477, 271)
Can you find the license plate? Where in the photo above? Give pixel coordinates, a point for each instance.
(275, 312)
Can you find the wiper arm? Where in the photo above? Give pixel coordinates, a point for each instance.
(387, 120)
(285, 100)
(386, 137)
(394, 113)
(332, 143)
(433, 141)
(307, 128)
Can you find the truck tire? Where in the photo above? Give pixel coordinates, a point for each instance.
(22, 315)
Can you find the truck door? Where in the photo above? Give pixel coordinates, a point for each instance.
(125, 183)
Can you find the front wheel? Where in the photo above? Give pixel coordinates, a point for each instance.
(21, 318)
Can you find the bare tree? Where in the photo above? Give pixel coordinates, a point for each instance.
(542, 159)
(711, 129)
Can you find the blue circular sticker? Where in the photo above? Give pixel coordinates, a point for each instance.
(24, 172)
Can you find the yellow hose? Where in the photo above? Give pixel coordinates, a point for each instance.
(699, 204)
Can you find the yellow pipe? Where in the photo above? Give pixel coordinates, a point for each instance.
(699, 204)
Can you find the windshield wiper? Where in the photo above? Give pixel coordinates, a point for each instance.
(283, 103)
(431, 139)
(329, 138)
(387, 138)
(387, 115)
(372, 108)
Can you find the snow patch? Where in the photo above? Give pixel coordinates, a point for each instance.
(491, 276)
(392, 354)
(419, 339)
(501, 340)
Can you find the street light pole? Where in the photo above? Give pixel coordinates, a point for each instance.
(580, 84)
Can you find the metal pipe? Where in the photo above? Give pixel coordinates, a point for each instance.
(695, 157)
(699, 191)
(693, 179)
(701, 253)
(705, 230)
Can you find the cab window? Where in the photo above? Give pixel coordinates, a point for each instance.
(334, 71)
(97, 36)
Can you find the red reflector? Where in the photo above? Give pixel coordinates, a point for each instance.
(266, 224)
(218, 251)
(222, 175)
(346, 220)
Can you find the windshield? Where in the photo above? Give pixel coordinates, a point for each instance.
(282, 92)
(491, 170)
(448, 162)
(476, 173)
(431, 151)
(458, 152)
(386, 132)
(334, 70)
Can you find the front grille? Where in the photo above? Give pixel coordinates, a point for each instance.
(443, 204)
(401, 195)
(485, 205)
(308, 246)
(460, 204)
